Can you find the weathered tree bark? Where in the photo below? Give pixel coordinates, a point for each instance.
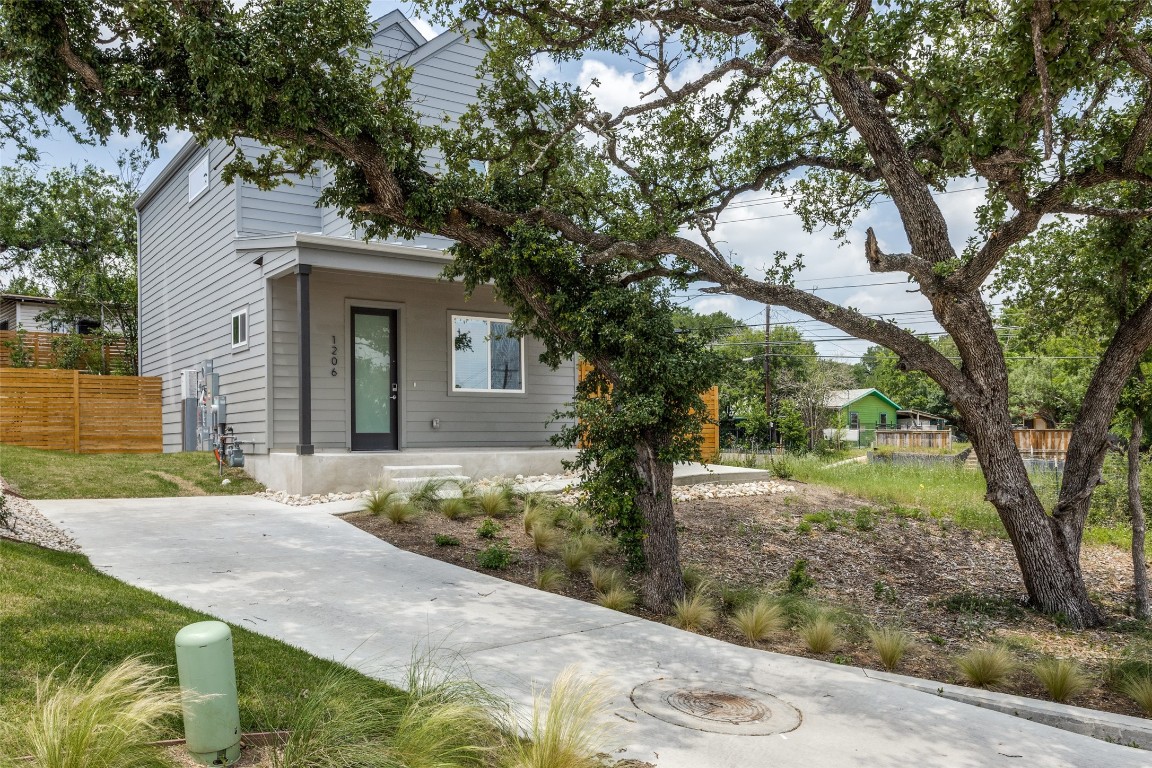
(1136, 509)
(663, 577)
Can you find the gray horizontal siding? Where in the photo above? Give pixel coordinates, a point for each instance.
(290, 207)
(191, 279)
(468, 420)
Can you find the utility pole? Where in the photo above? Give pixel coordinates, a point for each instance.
(768, 369)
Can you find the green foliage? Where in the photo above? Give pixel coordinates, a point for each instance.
(457, 507)
(427, 496)
(108, 720)
(488, 529)
(545, 538)
(75, 231)
(696, 579)
(987, 666)
(756, 621)
(445, 540)
(820, 634)
(987, 605)
(496, 557)
(1064, 679)
(495, 502)
(890, 645)
(577, 552)
(19, 353)
(5, 513)
(798, 582)
(1139, 689)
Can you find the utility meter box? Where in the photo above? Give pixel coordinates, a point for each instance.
(207, 673)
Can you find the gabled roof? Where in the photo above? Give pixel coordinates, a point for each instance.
(846, 397)
(397, 18)
(439, 43)
(31, 299)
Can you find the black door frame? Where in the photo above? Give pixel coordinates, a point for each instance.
(376, 441)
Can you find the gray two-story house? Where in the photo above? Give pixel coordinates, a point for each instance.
(339, 358)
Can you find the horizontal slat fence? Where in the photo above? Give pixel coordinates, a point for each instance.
(710, 432)
(80, 412)
(38, 347)
(1045, 443)
(914, 438)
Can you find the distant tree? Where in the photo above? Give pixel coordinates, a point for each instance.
(72, 235)
(881, 369)
(809, 395)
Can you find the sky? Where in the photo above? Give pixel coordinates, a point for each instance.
(751, 233)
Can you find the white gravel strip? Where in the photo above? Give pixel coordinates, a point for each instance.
(25, 523)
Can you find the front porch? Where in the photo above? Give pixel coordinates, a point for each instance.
(346, 472)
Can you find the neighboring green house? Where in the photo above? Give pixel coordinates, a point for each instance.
(858, 413)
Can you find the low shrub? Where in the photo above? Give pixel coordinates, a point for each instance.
(693, 612)
(488, 529)
(733, 597)
(757, 621)
(495, 558)
(798, 582)
(820, 634)
(1064, 679)
(890, 645)
(445, 540)
(987, 666)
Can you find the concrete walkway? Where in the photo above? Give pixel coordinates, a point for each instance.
(681, 700)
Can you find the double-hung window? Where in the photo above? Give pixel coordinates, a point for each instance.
(486, 357)
(240, 328)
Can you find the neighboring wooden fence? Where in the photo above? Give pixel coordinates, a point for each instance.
(1042, 443)
(80, 412)
(914, 438)
(710, 432)
(38, 348)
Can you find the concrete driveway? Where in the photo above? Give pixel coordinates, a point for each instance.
(681, 700)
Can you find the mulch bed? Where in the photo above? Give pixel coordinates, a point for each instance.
(952, 588)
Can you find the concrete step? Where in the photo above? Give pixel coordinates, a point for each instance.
(451, 487)
(422, 470)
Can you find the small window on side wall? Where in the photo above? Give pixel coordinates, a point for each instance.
(198, 179)
(853, 420)
(240, 328)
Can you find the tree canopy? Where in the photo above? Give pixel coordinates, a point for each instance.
(831, 105)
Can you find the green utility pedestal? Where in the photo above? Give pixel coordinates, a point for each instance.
(208, 682)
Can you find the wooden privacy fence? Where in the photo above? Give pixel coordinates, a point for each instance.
(38, 347)
(80, 412)
(1044, 443)
(710, 432)
(914, 438)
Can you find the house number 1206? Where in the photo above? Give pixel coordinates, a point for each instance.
(335, 360)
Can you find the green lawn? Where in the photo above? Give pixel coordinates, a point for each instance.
(58, 475)
(56, 610)
(948, 491)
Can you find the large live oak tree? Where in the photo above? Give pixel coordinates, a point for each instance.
(834, 104)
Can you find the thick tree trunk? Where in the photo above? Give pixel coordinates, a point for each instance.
(1049, 562)
(663, 577)
(1136, 508)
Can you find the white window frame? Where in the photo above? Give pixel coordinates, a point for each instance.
(488, 349)
(199, 179)
(243, 342)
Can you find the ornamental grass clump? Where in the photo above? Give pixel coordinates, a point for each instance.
(820, 634)
(569, 730)
(891, 644)
(98, 721)
(987, 667)
(617, 599)
(428, 494)
(549, 578)
(758, 620)
(545, 538)
(578, 552)
(495, 502)
(390, 503)
(605, 578)
(1139, 689)
(457, 507)
(694, 612)
(1064, 679)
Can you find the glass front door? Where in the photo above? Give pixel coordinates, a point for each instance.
(375, 394)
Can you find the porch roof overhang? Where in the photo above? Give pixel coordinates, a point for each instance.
(913, 412)
(345, 253)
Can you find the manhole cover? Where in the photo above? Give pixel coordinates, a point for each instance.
(715, 708)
